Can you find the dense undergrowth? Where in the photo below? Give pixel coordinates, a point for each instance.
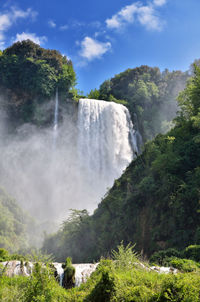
(122, 278)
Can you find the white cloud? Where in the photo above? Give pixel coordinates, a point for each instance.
(124, 16)
(92, 49)
(32, 37)
(5, 22)
(64, 27)
(159, 2)
(127, 13)
(145, 15)
(51, 23)
(9, 18)
(114, 22)
(18, 13)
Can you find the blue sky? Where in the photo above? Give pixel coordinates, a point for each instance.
(105, 37)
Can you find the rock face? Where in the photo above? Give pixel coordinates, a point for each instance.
(20, 268)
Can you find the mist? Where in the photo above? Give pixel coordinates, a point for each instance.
(48, 171)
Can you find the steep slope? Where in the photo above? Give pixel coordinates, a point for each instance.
(149, 94)
(29, 76)
(155, 203)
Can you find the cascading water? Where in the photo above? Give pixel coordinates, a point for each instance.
(83, 272)
(60, 272)
(106, 141)
(71, 166)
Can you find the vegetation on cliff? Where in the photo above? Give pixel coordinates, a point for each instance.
(14, 224)
(149, 94)
(155, 203)
(29, 76)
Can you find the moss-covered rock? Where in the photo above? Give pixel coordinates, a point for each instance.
(69, 274)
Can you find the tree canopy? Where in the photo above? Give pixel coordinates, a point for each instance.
(31, 74)
(149, 94)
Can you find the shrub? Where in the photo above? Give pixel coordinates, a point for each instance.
(192, 252)
(104, 289)
(4, 255)
(184, 265)
(162, 257)
(125, 257)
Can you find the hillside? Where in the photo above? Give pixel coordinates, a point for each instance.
(29, 76)
(155, 203)
(149, 94)
(14, 225)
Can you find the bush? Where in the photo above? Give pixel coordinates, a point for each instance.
(162, 257)
(4, 255)
(192, 252)
(69, 274)
(125, 257)
(184, 265)
(104, 289)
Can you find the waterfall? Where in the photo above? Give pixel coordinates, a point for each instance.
(83, 272)
(106, 141)
(60, 272)
(73, 163)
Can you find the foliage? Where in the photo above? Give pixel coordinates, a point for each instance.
(108, 283)
(94, 94)
(14, 225)
(124, 256)
(29, 75)
(104, 290)
(161, 257)
(189, 98)
(184, 265)
(4, 255)
(193, 252)
(69, 274)
(63, 240)
(149, 94)
(155, 203)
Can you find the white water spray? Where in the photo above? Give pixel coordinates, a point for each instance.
(70, 166)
